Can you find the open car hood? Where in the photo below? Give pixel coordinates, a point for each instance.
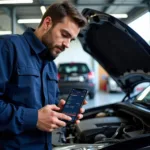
(118, 49)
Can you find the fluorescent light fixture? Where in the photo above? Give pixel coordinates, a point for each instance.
(120, 15)
(5, 32)
(29, 21)
(15, 1)
(43, 9)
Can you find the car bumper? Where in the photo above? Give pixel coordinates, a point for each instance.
(66, 87)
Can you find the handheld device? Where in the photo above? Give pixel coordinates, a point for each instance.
(74, 103)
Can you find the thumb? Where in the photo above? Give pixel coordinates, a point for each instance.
(61, 103)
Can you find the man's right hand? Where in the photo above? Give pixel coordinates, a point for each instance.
(49, 118)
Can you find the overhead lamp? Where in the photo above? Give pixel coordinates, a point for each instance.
(119, 15)
(5, 32)
(43, 9)
(15, 1)
(29, 21)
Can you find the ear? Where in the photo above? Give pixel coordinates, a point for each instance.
(47, 23)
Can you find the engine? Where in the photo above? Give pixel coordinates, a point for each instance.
(108, 128)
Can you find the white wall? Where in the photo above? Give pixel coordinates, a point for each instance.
(74, 53)
(142, 26)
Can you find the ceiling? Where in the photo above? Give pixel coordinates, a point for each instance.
(134, 9)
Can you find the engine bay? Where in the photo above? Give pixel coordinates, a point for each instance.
(108, 126)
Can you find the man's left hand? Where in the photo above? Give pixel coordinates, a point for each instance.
(80, 115)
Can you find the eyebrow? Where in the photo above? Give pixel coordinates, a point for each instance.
(68, 34)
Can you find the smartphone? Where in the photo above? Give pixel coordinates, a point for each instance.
(74, 103)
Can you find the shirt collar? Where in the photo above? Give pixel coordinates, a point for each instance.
(33, 41)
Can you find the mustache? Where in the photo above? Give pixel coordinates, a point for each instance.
(62, 48)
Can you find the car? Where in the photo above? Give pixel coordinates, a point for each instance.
(112, 86)
(126, 57)
(140, 87)
(75, 75)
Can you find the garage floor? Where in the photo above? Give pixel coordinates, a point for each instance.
(103, 98)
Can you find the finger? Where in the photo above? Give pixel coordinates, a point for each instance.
(77, 122)
(54, 107)
(54, 126)
(61, 103)
(85, 102)
(82, 110)
(62, 116)
(60, 123)
(80, 116)
(50, 129)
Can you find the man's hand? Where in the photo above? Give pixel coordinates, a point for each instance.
(80, 115)
(49, 118)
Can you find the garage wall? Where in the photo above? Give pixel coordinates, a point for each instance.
(5, 24)
(74, 53)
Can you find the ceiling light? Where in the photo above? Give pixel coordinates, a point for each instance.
(43, 9)
(5, 32)
(29, 21)
(120, 15)
(15, 1)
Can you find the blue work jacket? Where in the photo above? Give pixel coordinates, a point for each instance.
(28, 82)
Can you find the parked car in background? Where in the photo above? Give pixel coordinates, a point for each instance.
(140, 87)
(75, 75)
(112, 86)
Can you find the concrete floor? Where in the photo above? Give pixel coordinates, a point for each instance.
(103, 98)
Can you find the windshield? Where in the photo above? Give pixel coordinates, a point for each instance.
(73, 68)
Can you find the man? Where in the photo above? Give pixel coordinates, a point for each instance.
(28, 80)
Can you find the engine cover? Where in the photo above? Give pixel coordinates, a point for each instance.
(86, 130)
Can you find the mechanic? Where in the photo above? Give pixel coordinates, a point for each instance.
(29, 107)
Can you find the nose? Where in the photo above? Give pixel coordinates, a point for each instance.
(66, 43)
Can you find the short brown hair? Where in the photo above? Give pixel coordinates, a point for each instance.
(58, 11)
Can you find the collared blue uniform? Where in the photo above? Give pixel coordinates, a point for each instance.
(27, 83)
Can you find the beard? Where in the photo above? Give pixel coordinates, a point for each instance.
(51, 48)
(47, 55)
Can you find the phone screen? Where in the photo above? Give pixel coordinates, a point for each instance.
(74, 102)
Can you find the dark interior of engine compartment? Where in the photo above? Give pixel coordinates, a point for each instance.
(108, 126)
